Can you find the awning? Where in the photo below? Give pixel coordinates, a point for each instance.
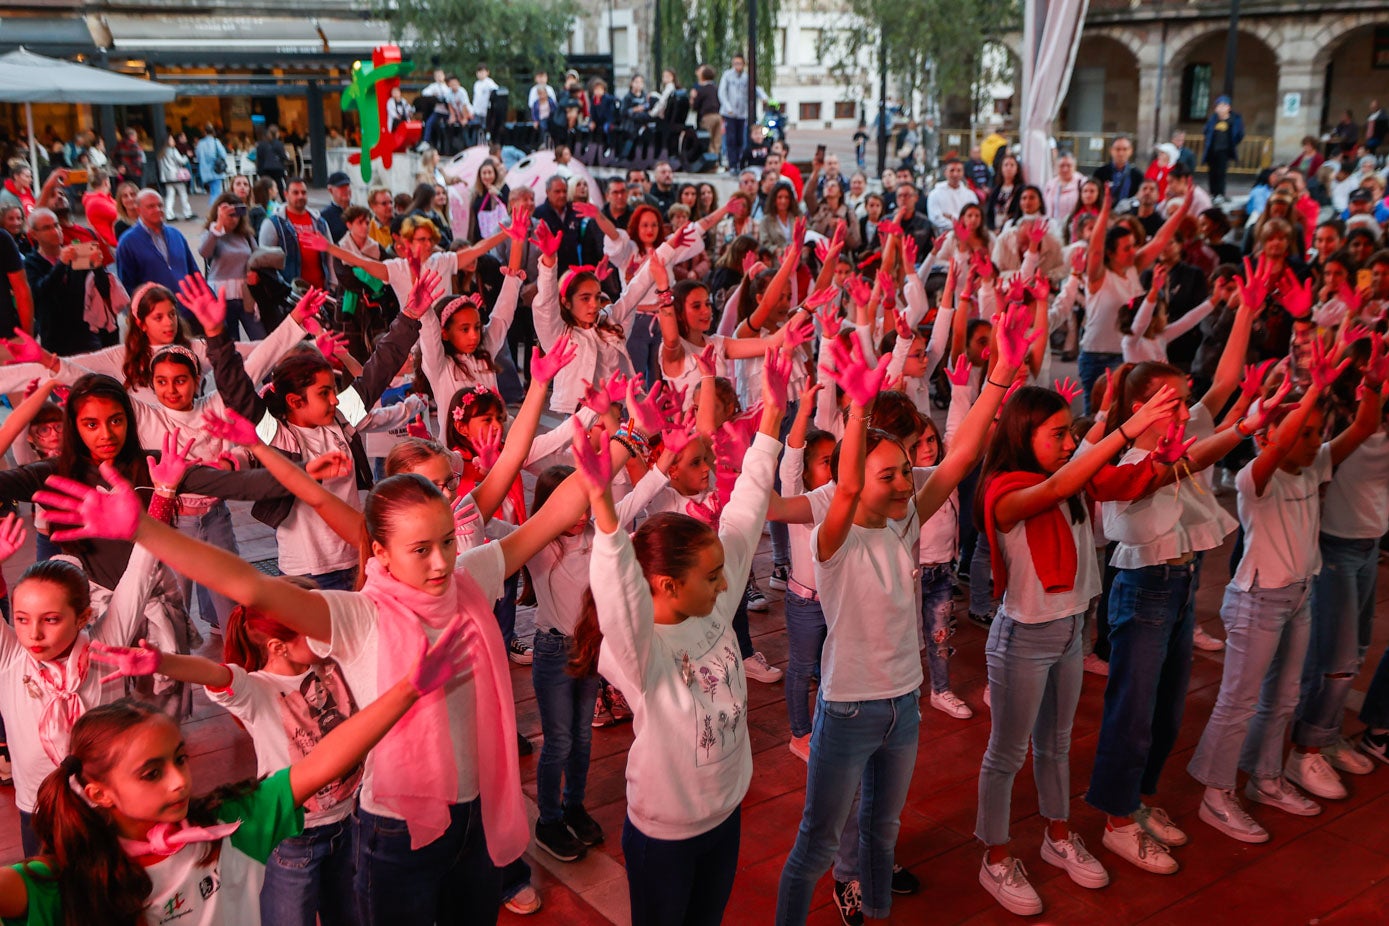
(50, 35)
(243, 40)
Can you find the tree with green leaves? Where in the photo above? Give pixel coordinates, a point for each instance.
(512, 37)
(695, 32)
(933, 47)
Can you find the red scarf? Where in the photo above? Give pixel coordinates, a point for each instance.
(1048, 532)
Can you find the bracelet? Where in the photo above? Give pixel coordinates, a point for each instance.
(999, 385)
(860, 417)
(1241, 431)
(631, 450)
(1124, 434)
(162, 508)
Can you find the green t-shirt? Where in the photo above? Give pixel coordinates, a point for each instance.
(186, 892)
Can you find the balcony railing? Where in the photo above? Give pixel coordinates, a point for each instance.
(1091, 149)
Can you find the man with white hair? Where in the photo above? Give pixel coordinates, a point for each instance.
(949, 197)
(154, 252)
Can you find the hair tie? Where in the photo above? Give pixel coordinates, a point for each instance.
(180, 351)
(71, 765)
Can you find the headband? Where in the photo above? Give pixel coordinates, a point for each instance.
(469, 397)
(140, 294)
(472, 299)
(599, 271)
(180, 351)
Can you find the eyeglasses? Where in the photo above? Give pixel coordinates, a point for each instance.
(449, 484)
(46, 430)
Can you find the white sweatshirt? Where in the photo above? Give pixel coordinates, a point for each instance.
(691, 762)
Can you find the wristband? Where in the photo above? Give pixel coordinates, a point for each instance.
(999, 385)
(1241, 431)
(163, 507)
(1124, 434)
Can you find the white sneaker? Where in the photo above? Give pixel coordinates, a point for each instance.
(1276, 792)
(1204, 641)
(1007, 882)
(800, 747)
(779, 576)
(1312, 773)
(1071, 856)
(1222, 810)
(1345, 758)
(1133, 844)
(1157, 824)
(758, 669)
(1095, 665)
(947, 702)
(525, 901)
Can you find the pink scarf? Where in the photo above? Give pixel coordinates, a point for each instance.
(165, 839)
(415, 773)
(59, 688)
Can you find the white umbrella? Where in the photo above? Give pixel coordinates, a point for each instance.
(29, 78)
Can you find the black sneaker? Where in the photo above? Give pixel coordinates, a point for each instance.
(849, 899)
(903, 881)
(556, 839)
(983, 620)
(523, 745)
(584, 827)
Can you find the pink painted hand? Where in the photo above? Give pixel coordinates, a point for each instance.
(23, 348)
(830, 322)
(1068, 389)
(12, 534)
(776, 374)
(1078, 260)
(959, 372)
(888, 287)
(888, 228)
(903, 328)
(167, 472)
(231, 427)
(1377, 367)
(1267, 408)
(107, 514)
(910, 252)
(617, 386)
(1013, 336)
(799, 330)
(546, 367)
(329, 343)
(465, 515)
(1173, 446)
(1039, 288)
(547, 241)
(708, 360)
(311, 241)
(595, 466)
(798, 231)
(520, 226)
(449, 660)
(736, 208)
(1253, 289)
(128, 661)
(1324, 368)
(1038, 233)
(961, 232)
(306, 309)
(1159, 408)
(645, 410)
(677, 439)
(428, 287)
(684, 237)
(208, 307)
(1254, 375)
(603, 269)
(860, 292)
(586, 210)
(860, 379)
(487, 448)
(596, 397)
(1298, 299)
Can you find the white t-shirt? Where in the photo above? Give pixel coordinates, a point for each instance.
(308, 546)
(940, 534)
(286, 716)
(1356, 506)
(355, 646)
(1168, 524)
(1101, 334)
(802, 559)
(444, 263)
(1281, 526)
(186, 892)
(868, 591)
(1025, 600)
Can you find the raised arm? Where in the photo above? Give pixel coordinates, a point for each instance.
(313, 241)
(862, 383)
(1154, 248)
(1094, 251)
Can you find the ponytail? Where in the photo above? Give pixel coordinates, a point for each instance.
(1135, 383)
(248, 632)
(588, 639)
(293, 376)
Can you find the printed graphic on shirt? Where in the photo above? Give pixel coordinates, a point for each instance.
(720, 697)
(309, 714)
(176, 908)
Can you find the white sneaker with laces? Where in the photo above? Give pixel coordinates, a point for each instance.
(1157, 824)
(755, 599)
(1276, 792)
(1222, 810)
(780, 573)
(758, 669)
(1133, 844)
(520, 652)
(947, 702)
(1071, 856)
(1007, 882)
(1345, 758)
(1312, 773)
(1204, 641)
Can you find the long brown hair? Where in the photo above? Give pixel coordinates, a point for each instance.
(249, 632)
(666, 544)
(1136, 383)
(1010, 448)
(138, 350)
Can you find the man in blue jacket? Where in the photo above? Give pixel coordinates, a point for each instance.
(209, 153)
(1224, 132)
(153, 252)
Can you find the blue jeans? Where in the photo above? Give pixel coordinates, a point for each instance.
(214, 526)
(871, 744)
(451, 880)
(309, 876)
(938, 621)
(44, 547)
(805, 640)
(981, 570)
(434, 130)
(28, 839)
(248, 323)
(1034, 686)
(566, 713)
(1375, 711)
(1265, 646)
(780, 531)
(1343, 613)
(339, 580)
(213, 187)
(1150, 631)
(735, 140)
(681, 881)
(505, 609)
(644, 346)
(1091, 367)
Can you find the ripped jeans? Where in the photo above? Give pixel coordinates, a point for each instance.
(938, 621)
